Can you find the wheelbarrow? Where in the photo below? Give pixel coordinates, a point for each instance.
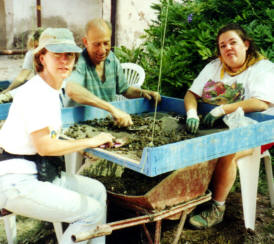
(173, 198)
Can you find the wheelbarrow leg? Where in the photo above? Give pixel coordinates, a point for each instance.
(158, 231)
(150, 241)
(181, 224)
(180, 227)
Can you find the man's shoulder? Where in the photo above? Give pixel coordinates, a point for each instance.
(83, 63)
(82, 60)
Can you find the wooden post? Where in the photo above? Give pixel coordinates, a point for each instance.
(38, 12)
(113, 21)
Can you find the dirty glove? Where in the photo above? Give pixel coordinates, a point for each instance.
(192, 121)
(213, 115)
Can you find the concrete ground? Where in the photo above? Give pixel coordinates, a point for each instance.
(10, 66)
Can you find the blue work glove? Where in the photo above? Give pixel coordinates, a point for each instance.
(213, 115)
(192, 121)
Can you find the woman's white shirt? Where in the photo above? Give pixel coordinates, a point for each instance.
(35, 106)
(257, 80)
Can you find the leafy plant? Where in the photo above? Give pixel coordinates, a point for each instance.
(190, 38)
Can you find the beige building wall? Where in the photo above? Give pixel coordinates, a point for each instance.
(18, 17)
(6, 23)
(72, 14)
(133, 16)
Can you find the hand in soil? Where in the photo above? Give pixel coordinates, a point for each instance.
(103, 139)
(121, 118)
(117, 143)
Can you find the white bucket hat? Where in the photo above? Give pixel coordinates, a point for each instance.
(57, 40)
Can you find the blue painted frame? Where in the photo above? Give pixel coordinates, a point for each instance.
(158, 160)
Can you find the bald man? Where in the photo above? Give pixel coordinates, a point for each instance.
(98, 76)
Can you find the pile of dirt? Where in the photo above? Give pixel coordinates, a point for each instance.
(145, 132)
(168, 128)
(130, 183)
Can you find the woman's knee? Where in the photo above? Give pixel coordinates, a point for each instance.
(84, 185)
(96, 190)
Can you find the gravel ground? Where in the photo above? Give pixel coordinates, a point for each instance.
(10, 66)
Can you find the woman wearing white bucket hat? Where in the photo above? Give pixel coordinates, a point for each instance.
(31, 183)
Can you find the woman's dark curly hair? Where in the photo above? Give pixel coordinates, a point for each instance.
(251, 51)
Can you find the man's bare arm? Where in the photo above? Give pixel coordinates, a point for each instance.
(19, 80)
(134, 92)
(82, 95)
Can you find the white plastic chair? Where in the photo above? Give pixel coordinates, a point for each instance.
(249, 175)
(10, 228)
(135, 76)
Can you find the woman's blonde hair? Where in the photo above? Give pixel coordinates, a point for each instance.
(34, 37)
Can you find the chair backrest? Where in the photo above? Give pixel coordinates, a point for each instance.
(134, 73)
(135, 76)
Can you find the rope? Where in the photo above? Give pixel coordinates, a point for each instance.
(158, 88)
(160, 74)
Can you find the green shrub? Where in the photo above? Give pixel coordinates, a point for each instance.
(190, 38)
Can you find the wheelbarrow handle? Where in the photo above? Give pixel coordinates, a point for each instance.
(106, 229)
(100, 230)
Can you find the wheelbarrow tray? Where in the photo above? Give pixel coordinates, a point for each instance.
(180, 186)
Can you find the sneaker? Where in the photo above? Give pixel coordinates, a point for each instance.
(209, 217)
